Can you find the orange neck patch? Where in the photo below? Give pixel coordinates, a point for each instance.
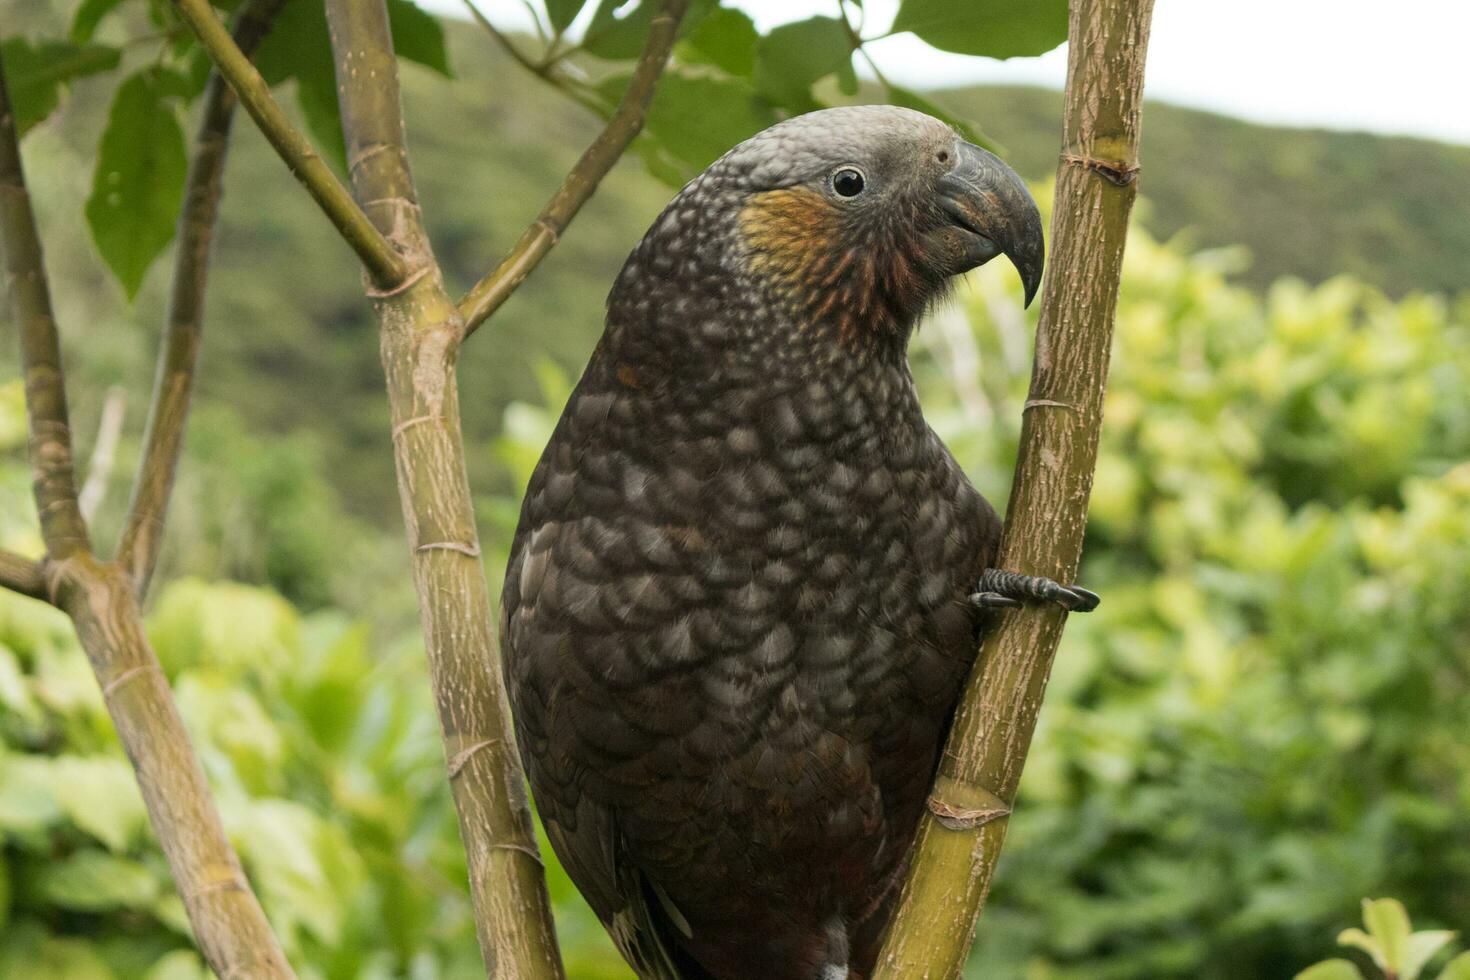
(861, 283)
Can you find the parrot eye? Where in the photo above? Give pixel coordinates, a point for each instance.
(848, 182)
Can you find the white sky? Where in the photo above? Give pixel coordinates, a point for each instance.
(1396, 67)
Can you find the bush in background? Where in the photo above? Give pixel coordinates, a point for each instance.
(1267, 719)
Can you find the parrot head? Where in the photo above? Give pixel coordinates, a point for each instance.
(845, 222)
(865, 213)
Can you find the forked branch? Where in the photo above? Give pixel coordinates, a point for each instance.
(960, 836)
(228, 923)
(626, 122)
(384, 265)
(142, 533)
(421, 330)
(52, 469)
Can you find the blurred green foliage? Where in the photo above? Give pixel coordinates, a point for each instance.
(1395, 950)
(1268, 718)
(290, 347)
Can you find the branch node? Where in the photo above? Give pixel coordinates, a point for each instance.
(1115, 172)
(1047, 403)
(471, 549)
(407, 424)
(117, 682)
(375, 293)
(230, 883)
(459, 759)
(953, 817)
(519, 848)
(366, 154)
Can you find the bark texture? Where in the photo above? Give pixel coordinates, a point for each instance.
(378, 257)
(420, 334)
(229, 925)
(960, 837)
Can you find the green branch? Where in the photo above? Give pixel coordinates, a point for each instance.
(581, 183)
(227, 920)
(421, 332)
(62, 526)
(384, 265)
(142, 534)
(961, 833)
(22, 575)
(548, 69)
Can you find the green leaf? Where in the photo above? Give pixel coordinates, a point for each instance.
(418, 36)
(1388, 924)
(92, 881)
(993, 28)
(299, 47)
(726, 39)
(316, 94)
(139, 181)
(181, 964)
(1330, 970)
(910, 99)
(36, 74)
(27, 800)
(1420, 949)
(89, 14)
(100, 796)
(618, 28)
(1457, 968)
(793, 56)
(1359, 939)
(28, 953)
(234, 629)
(693, 120)
(561, 13)
(305, 866)
(4, 895)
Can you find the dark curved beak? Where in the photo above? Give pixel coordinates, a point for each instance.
(989, 203)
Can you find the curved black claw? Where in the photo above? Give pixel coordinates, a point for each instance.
(1012, 587)
(1087, 600)
(993, 600)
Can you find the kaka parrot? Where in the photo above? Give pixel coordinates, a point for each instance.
(749, 580)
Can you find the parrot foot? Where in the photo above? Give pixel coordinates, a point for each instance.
(1004, 590)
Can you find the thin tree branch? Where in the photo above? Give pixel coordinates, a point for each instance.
(385, 266)
(960, 835)
(228, 923)
(548, 70)
(626, 122)
(22, 575)
(421, 331)
(506, 45)
(142, 533)
(62, 526)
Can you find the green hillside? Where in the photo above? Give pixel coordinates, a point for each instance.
(290, 349)
(1305, 202)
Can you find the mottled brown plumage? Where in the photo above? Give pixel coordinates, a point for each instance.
(736, 617)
